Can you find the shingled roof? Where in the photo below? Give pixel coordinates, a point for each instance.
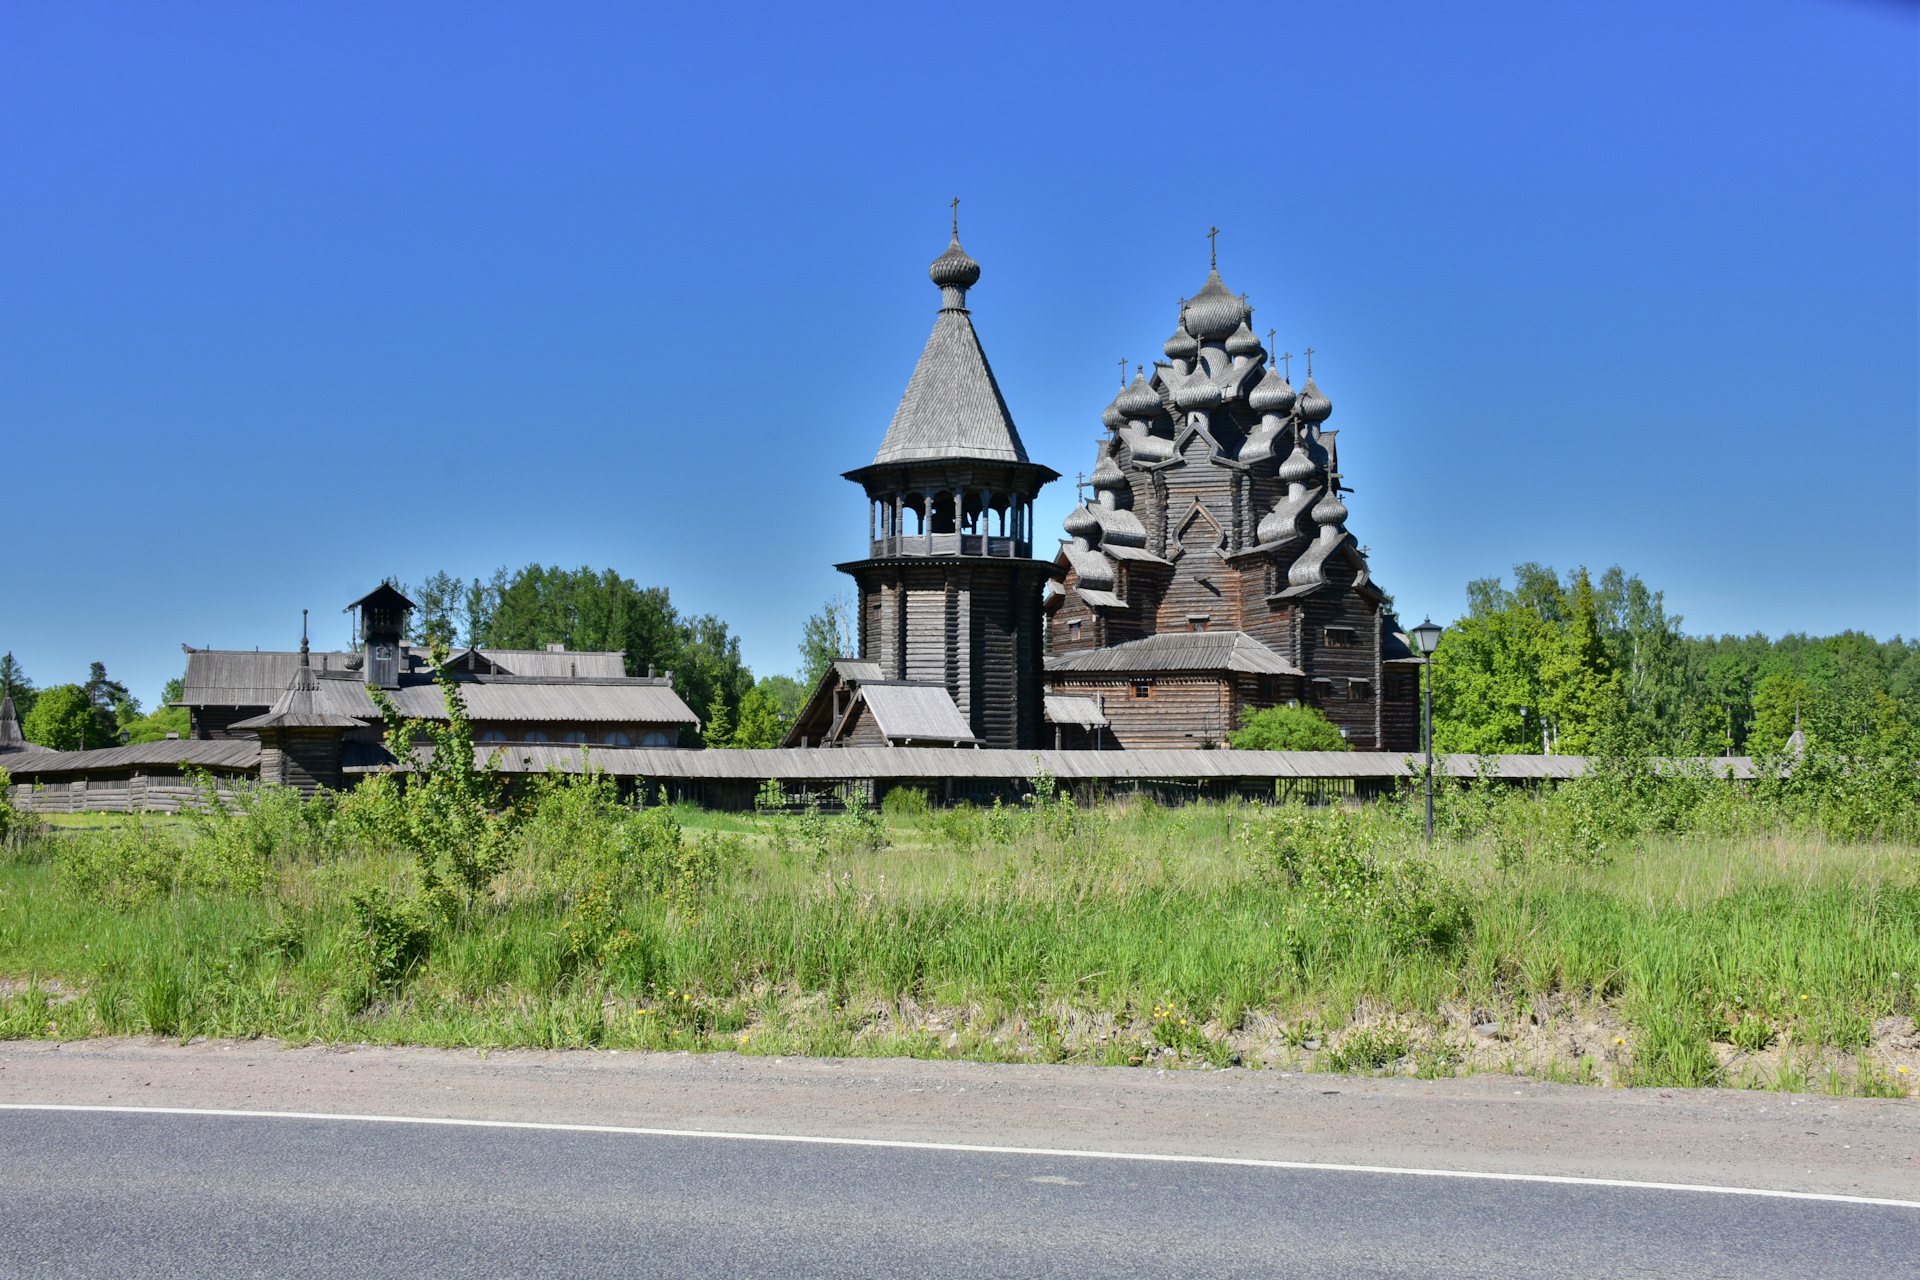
(953, 407)
(1178, 651)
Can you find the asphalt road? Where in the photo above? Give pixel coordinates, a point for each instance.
(101, 1194)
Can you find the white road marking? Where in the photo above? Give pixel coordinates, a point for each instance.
(904, 1145)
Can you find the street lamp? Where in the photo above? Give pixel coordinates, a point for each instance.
(1427, 636)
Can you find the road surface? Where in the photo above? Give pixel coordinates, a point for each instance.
(147, 1192)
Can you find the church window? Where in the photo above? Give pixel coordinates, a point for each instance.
(575, 737)
(534, 735)
(1198, 621)
(1342, 638)
(1143, 688)
(1399, 687)
(1073, 629)
(655, 739)
(1360, 690)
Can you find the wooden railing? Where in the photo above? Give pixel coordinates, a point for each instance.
(950, 544)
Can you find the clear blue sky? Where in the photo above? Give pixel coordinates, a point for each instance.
(295, 296)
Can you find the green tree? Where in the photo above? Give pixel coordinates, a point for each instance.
(1286, 729)
(760, 724)
(64, 719)
(787, 694)
(827, 635)
(1526, 670)
(719, 729)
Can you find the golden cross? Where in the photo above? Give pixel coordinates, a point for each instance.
(956, 217)
(1309, 355)
(1213, 247)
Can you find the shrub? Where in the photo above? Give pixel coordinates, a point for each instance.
(125, 865)
(1328, 854)
(1286, 729)
(906, 802)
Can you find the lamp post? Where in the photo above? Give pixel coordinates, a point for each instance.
(1427, 636)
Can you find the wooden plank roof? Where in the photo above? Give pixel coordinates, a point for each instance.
(1177, 651)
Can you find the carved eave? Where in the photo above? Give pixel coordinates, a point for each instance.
(950, 472)
(895, 564)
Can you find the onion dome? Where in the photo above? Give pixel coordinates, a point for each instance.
(1272, 394)
(1199, 393)
(1298, 468)
(1113, 415)
(1080, 523)
(1313, 406)
(1140, 400)
(1182, 345)
(1330, 510)
(1107, 474)
(1243, 343)
(954, 269)
(1213, 313)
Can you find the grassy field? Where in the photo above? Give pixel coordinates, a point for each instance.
(1208, 936)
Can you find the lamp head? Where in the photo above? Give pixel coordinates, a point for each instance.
(1426, 636)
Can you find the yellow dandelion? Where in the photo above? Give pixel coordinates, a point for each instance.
(1901, 1070)
(1619, 1039)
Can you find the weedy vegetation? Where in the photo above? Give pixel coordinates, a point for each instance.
(1637, 926)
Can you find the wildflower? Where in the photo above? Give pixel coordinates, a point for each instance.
(1619, 1039)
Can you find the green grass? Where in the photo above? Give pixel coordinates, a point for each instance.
(1126, 934)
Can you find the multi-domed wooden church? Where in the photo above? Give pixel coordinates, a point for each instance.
(1212, 572)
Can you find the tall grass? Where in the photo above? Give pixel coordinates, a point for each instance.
(1118, 933)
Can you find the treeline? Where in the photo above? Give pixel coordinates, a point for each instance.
(598, 609)
(1568, 665)
(87, 717)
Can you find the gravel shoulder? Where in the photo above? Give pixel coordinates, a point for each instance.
(1488, 1123)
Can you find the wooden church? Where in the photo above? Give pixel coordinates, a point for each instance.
(1212, 572)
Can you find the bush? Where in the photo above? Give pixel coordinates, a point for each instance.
(1298, 728)
(906, 802)
(1328, 854)
(125, 866)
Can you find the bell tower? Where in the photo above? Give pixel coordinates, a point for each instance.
(950, 591)
(383, 621)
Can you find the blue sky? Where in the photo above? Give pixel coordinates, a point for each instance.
(295, 296)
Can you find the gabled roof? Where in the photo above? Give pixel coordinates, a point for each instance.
(915, 710)
(953, 407)
(1178, 651)
(381, 597)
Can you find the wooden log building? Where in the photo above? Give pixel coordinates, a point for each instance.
(1212, 573)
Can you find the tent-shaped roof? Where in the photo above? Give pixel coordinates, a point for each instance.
(953, 407)
(302, 706)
